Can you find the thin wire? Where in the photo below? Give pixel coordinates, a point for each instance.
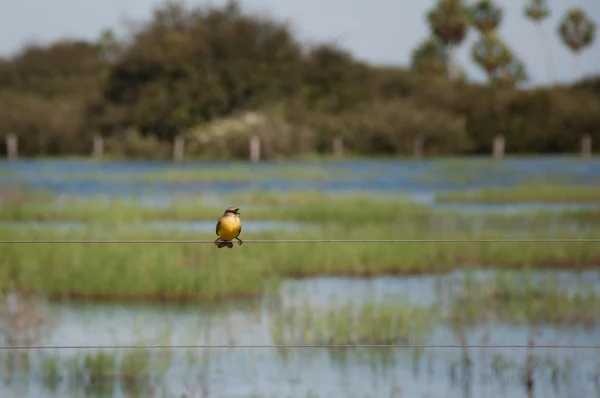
(151, 347)
(137, 241)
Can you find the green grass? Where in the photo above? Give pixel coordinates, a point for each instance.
(516, 298)
(351, 323)
(234, 172)
(294, 206)
(525, 194)
(201, 271)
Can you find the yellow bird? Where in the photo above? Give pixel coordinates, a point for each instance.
(229, 227)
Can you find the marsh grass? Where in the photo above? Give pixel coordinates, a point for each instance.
(296, 206)
(205, 173)
(188, 271)
(525, 193)
(519, 298)
(353, 323)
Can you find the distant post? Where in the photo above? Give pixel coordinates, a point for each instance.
(12, 146)
(338, 147)
(254, 149)
(98, 151)
(586, 146)
(499, 147)
(178, 148)
(418, 146)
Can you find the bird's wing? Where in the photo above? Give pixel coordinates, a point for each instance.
(218, 226)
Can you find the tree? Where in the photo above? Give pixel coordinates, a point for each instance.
(577, 31)
(449, 22)
(485, 16)
(537, 11)
(187, 67)
(428, 58)
(497, 60)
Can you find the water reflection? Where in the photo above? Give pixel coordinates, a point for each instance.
(299, 372)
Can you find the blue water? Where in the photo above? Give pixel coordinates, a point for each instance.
(265, 372)
(420, 179)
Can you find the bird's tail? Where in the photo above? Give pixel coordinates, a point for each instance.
(225, 243)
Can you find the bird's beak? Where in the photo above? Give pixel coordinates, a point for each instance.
(237, 211)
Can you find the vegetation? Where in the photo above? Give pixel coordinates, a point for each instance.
(516, 297)
(216, 76)
(188, 271)
(525, 193)
(365, 323)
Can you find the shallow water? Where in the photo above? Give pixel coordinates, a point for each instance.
(298, 372)
(420, 179)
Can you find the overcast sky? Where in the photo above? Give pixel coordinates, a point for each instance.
(380, 31)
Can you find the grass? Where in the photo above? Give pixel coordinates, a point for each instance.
(525, 194)
(307, 206)
(201, 271)
(519, 298)
(351, 323)
(202, 173)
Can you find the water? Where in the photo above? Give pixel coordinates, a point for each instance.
(301, 372)
(419, 179)
(266, 372)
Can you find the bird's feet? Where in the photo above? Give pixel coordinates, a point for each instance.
(223, 243)
(240, 242)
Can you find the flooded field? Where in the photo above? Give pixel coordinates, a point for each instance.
(301, 372)
(411, 294)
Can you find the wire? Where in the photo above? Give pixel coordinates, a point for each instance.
(151, 347)
(532, 240)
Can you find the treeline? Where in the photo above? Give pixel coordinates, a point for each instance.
(217, 76)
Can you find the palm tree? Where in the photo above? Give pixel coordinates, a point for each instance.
(498, 61)
(577, 32)
(485, 16)
(449, 22)
(428, 58)
(537, 11)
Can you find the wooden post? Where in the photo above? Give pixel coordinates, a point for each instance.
(12, 146)
(178, 148)
(499, 147)
(418, 146)
(254, 149)
(586, 146)
(98, 146)
(338, 147)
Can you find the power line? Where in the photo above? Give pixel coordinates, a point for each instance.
(220, 346)
(142, 241)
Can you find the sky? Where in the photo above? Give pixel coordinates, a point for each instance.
(378, 31)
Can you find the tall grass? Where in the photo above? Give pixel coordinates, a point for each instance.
(200, 271)
(525, 193)
(195, 271)
(353, 323)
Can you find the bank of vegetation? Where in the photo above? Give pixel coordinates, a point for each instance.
(218, 75)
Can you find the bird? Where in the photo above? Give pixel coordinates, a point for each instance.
(229, 227)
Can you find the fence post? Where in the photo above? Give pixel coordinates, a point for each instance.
(12, 146)
(178, 148)
(254, 149)
(418, 146)
(338, 146)
(586, 146)
(499, 146)
(98, 151)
